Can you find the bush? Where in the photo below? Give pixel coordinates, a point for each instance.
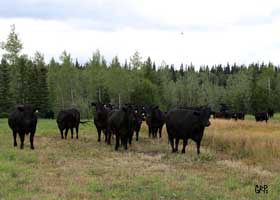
(4, 115)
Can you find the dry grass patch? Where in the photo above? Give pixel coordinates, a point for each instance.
(86, 169)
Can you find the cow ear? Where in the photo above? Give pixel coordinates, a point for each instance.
(155, 107)
(196, 113)
(93, 104)
(20, 108)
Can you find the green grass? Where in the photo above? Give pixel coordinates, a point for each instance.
(86, 169)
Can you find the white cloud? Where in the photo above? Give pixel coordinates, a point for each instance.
(214, 31)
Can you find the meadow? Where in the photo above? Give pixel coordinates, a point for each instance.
(235, 156)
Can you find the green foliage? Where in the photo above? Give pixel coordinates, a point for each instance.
(135, 61)
(12, 46)
(58, 85)
(5, 94)
(144, 93)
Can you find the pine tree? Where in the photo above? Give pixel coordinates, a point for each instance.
(5, 96)
(115, 62)
(154, 66)
(125, 65)
(22, 73)
(182, 70)
(173, 74)
(147, 69)
(41, 72)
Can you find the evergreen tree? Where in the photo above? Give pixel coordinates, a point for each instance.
(26, 80)
(40, 71)
(148, 70)
(154, 66)
(125, 65)
(182, 70)
(173, 73)
(5, 96)
(115, 62)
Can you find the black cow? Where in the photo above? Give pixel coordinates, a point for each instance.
(270, 112)
(261, 116)
(137, 117)
(238, 115)
(100, 118)
(23, 121)
(222, 115)
(155, 119)
(187, 124)
(68, 119)
(49, 114)
(120, 123)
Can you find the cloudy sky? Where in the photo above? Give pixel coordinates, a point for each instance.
(176, 31)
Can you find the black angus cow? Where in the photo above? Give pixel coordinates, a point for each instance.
(23, 121)
(68, 119)
(187, 124)
(238, 115)
(100, 118)
(137, 117)
(121, 123)
(155, 120)
(49, 114)
(261, 116)
(222, 115)
(270, 112)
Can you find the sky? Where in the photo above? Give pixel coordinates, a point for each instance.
(200, 32)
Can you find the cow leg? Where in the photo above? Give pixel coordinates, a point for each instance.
(171, 140)
(61, 132)
(176, 144)
(66, 132)
(150, 131)
(124, 142)
(137, 135)
(15, 138)
(108, 136)
(154, 132)
(21, 135)
(117, 141)
(198, 147)
(185, 143)
(130, 137)
(31, 138)
(72, 133)
(160, 129)
(99, 134)
(77, 132)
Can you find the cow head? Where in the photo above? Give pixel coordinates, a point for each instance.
(149, 110)
(99, 107)
(204, 115)
(29, 113)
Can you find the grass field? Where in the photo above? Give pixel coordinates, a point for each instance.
(235, 156)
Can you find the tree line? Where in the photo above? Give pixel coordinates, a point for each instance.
(65, 83)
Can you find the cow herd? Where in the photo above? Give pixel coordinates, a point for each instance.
(182, 123)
